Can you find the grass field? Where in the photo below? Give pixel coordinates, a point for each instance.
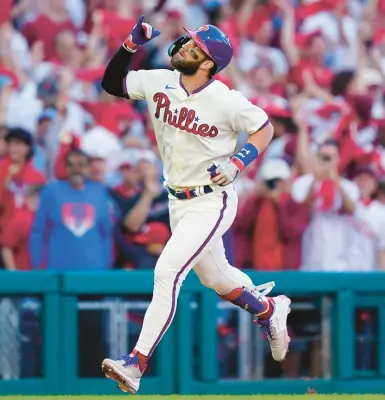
(177, 397)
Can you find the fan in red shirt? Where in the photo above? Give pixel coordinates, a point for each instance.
(270, 222)
(305, 52)
(17, 173)
(48, 25)
(116, 116)
(15, 236)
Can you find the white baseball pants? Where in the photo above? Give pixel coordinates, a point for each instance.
(196, 243)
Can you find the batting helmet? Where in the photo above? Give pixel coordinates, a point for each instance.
(210, 40)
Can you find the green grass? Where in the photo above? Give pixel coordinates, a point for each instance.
(176, 397)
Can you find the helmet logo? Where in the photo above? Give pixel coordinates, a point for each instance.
(203, 28)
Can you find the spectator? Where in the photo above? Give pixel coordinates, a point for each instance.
(47, 25)
(291, 52)
(367, 226)
(318, 69)
(144, 215)
(17, 173)
(256, 49)
(15, 237)
(284, 131)
(277, 224)
(98, 170)
(331, 198)
(306, 52)
(73, 227)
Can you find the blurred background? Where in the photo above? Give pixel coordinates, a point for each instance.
(313, 202)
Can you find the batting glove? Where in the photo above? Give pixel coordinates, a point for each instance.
(140, 35)
(223, 175)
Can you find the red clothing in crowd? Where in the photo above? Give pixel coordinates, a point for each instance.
(6, 8)
(268, 236)
(13, 191)
(16, 236)
(110, 115)
(267, 244)
(321, 75)
(356, 141)
(60, 167)
(45, 29)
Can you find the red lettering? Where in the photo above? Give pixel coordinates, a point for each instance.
(182, 118)
(213, 131)
(194, 129)
(162, 101)
(190, 119)
(172, 120)
(185, 121)
(167, 114)
(203, 130)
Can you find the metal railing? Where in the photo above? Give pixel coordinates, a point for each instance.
(187, 359)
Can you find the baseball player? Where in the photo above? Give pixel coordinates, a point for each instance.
(196, 121)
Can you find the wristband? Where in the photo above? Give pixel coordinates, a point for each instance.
(129, 45)
(245, 156)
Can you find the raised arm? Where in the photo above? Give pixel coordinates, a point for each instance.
(114, 76)
(288, 32)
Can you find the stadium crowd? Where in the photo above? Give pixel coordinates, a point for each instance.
(80, 177)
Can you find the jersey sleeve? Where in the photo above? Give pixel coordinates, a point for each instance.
(246, 116)
(135, 84)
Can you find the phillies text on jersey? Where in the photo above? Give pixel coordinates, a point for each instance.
(193, 130)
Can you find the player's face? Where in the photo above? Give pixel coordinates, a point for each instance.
(189, 58)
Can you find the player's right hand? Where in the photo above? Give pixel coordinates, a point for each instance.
(140, 34)
(224, 174)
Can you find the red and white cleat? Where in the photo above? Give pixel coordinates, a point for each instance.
(125, 371)
(275, 328)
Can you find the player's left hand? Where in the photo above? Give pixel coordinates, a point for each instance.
(224, 174)
(143, 32)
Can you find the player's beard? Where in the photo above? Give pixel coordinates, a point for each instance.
(185, 68)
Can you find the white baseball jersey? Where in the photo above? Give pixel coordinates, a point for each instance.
(325, 240)
(366, 232)
(193, 130)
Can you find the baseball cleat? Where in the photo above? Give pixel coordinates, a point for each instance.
(125, 371)
(275, 328)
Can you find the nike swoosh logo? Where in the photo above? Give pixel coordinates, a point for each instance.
(169, 87)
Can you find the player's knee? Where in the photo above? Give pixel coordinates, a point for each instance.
(211, 282)
(164, 274)
(161, 274)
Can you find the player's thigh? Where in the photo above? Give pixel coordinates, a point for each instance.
(200, 226)
(174, 215)
(215, 272)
